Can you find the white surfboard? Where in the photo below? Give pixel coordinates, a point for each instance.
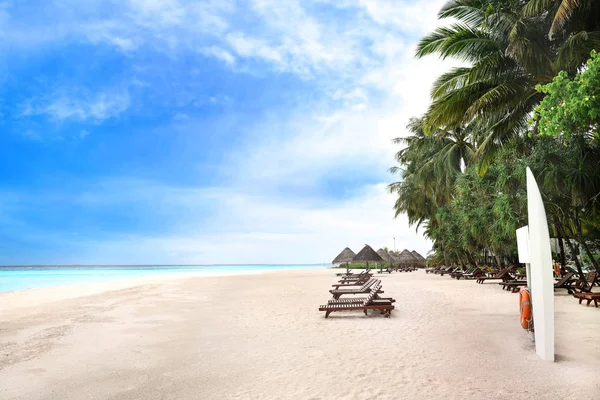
(542, 281)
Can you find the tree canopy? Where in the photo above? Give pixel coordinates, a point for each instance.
(527, 97)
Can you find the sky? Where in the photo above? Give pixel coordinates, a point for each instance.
(203, 132)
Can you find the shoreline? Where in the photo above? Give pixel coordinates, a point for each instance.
(27, 298)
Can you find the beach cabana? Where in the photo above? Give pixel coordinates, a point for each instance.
(367, 254)
(406, 258)
(386, 257)
(420, 259)
(393, 256)
(345, 256)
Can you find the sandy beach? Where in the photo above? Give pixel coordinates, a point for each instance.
(262, 337)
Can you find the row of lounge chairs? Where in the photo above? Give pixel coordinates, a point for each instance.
(351, 285)
(579, 286)
(398, 268)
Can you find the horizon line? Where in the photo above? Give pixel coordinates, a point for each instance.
(149, 265)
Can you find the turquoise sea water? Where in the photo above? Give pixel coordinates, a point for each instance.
(22, 278)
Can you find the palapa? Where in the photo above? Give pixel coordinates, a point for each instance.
(367, 254)
(419, 257)
(383, 254)
(345, 256)
(393, 256)
(406, 257)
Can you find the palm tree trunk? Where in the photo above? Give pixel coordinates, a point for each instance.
(561, 229)
(561, 255)
(583, 243)
(574, 256)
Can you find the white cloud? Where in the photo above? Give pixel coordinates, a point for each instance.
(374, 84)
(79, 105)
(219, 53)
(418, 16)
(250, 47)
(260, 229)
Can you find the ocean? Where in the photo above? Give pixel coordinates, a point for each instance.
(23, 278)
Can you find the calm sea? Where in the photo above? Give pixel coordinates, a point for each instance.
(21, 278)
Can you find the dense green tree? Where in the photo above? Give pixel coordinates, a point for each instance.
(508, 51)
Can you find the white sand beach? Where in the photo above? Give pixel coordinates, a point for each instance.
(262, 337)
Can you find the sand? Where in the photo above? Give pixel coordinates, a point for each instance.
(262, 337)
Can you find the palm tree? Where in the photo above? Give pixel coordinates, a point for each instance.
(567, 15)
(509, 53)
(431, 165)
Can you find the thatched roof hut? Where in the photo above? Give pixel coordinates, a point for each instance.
(419, 257)
(345, 256)
(367, 254)
(393, 256)
(384, 254)
(406, 257)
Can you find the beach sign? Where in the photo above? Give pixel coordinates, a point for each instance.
(523, 244)
(523, 250)
(539, 273)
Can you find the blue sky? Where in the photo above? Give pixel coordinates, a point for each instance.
(216, 131)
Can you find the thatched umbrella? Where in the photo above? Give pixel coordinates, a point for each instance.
(367, 254)
(383, 254)
(386, 257)
(406, 257)
(393, 256)
(345, 256)
(419, 257)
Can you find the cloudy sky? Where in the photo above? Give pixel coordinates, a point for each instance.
(213, 131)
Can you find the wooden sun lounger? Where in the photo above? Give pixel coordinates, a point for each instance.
(478, 273)
(504, 275)
(357, 277)
(513, 286)
(368, 303)
(566, 282)
(584, 285)
(595, 297)
(457, 274)
(343, 284)
(449, 271)
(365, 288)
(355, 299)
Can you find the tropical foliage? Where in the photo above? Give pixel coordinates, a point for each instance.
(571, 105)
(462, 168)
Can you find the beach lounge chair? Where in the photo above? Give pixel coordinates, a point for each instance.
(368, 303)
(365, 288)
(458, 273)
(584, 286)
(477, 273)
(356, 282)
(356, 277)
(595, 297)
(432, 269)
(513, 286)
(443, 269)
(448, 271)
(566, 282)
(355, 299)
(389, 270)
(503, 275)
